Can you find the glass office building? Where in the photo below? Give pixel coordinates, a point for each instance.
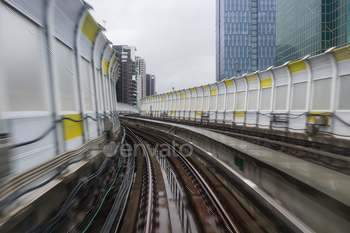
(310, 27)
(245, 36)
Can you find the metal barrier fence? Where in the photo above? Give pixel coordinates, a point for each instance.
(308, 95)
(67, 69)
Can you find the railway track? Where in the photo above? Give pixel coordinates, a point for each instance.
(200, 200)
(162, 189)
(141, 214)
(209, 198)
(149, 187)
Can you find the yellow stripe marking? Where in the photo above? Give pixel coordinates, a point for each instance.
(113, 60)
(341, 54)
(192, 90)
(239, 114)
(72, 129)
(105, 66)
(251, 78)
(182, 96)
(90, 27)
(297, 66)
(213, 91)
(229, 82)
(266, 82)
(205, 88)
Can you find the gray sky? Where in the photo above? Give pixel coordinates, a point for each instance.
(175, 37)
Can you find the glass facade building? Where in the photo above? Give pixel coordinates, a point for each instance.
(245, 36)
(310, 27)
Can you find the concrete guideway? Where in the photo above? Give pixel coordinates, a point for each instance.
(313, 194)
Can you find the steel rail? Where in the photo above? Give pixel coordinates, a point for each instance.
(150, 185)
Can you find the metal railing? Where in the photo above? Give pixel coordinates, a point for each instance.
(175, 188)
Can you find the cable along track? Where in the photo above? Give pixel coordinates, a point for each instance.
(115, 215)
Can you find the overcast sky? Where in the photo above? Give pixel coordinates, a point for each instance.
(175, 37)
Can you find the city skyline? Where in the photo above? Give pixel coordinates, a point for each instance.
(195, 75)
(178, 50)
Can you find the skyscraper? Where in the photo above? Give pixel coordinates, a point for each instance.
(245, 36)
(141, 79)
(127, 83)
(150, 84)
(310, 27)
